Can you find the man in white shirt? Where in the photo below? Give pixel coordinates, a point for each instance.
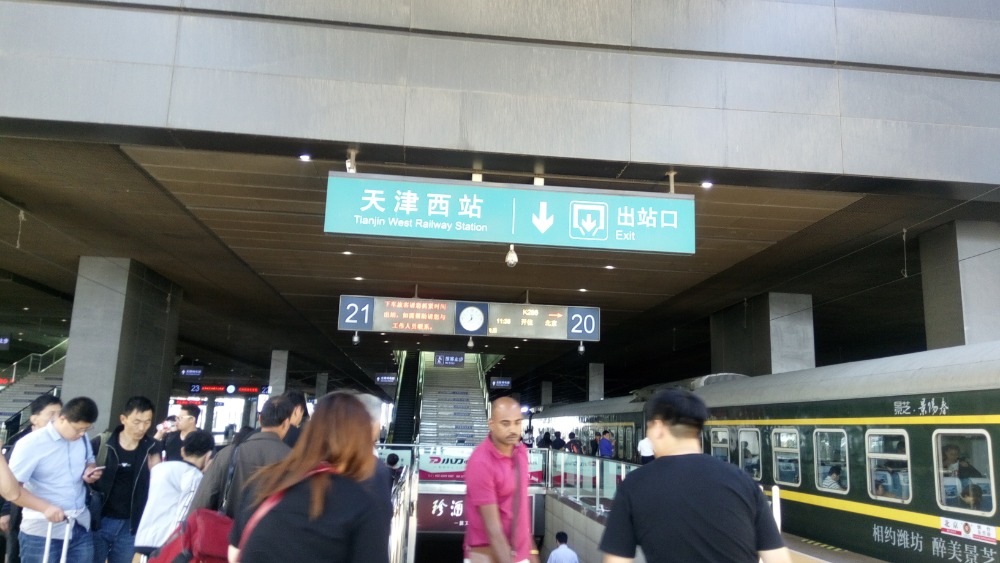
(57, 465)
(645, 448)
(562, 554)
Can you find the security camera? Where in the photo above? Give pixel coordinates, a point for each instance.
(580, 349)
(511, 259)
(355, 339)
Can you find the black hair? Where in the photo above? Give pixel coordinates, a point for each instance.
(835, 470)
(192, 410)
(198, 443)
(137, 404)
(677, 407)
(561, 537)
(276, 410)
(80, 409)
(297, 399)
(391, 460)
(43, 401)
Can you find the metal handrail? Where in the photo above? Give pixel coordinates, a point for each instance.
(35, 363)
(23, 421)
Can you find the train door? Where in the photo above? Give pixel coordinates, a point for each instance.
(627, 444)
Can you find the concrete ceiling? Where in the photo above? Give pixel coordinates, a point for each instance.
(238, 224)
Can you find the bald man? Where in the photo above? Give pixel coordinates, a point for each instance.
(496, 497)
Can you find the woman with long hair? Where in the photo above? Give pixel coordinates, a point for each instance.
(336, 515)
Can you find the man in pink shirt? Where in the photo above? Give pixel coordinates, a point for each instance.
(496, 498)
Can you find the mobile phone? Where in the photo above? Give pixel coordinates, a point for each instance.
(99, 468)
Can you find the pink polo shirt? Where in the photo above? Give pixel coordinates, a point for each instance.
(489, 479)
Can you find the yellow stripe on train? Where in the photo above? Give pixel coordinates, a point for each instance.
(978, 420)
(884, 512)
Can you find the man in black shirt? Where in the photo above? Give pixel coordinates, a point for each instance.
(711, 510)
(128, 454)
(187, 422)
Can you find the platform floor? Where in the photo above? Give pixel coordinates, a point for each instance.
(807, 551)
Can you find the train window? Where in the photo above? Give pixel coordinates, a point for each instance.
(720, 444)
(785, 449)
(830, 447)
(750, 451)
(887, 455)
(964, 471)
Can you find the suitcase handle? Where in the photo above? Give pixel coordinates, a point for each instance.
(65, 545)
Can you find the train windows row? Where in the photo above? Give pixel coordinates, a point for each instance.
(962, 461)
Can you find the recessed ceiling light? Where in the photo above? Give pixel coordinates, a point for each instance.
(525, 340)
(25, 308)
(516, 347)
(347, 253)
(359, 278)
(305, 157)
(64, 320)
(583, 290)
(707, 185)
(386, 341)
(609, 267)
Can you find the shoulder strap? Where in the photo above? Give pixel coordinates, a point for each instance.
(230, 474)
(516, 501)
(273, 500)
(102, 450)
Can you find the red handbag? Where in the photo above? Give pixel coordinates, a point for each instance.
(202, 538)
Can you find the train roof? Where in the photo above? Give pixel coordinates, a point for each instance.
(960, 368)
(627, 403)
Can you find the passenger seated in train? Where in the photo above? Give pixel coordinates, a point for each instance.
(955, 465)
(972, 497)
(832, 480)
(898, 464)
(882, 490)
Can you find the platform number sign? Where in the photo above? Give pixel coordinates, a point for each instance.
(584, 323)
(356, 312)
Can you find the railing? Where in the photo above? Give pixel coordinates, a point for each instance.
(403, 529)
(34, 363)
(20, 420)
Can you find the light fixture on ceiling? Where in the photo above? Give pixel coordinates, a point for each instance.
(609, 267)
(581, 349)
(305, 157)
(471, 343)
(511, 258)
(706, 184)
(359, 278)
(350, 164)
(583, 290)
(355, 339)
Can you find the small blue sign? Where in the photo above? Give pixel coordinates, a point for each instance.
(366, 204)
(356, 312)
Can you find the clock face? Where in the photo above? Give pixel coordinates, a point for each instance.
(471, 318)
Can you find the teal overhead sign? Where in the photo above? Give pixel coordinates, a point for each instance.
(365, 204)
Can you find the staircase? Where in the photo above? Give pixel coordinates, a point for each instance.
(29, 377)
(453, 410)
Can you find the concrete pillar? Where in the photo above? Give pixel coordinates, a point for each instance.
(546, 392)
(279, 371)
(249, 417)
(123, 336)
(960, 273)
(322, 382)
(595, 382)
(209, 415)
(769, 333)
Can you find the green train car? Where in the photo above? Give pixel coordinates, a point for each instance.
(892, 458)
(909, 438)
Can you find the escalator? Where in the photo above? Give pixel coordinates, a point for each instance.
(407, 401)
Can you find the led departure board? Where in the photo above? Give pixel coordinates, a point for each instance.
(468, 318)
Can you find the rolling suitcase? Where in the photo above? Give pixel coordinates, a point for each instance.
(65, 544)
